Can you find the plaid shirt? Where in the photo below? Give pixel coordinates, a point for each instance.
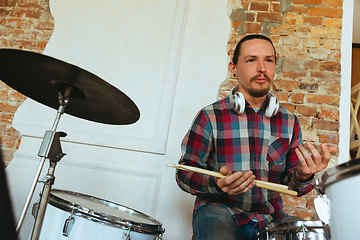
(249, 141)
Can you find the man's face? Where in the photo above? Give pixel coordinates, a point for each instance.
(255, 68)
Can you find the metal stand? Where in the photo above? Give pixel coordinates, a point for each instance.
(50, 149)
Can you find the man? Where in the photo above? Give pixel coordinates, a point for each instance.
(246, 136)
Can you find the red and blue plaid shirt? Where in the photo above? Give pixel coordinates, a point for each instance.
(248, 141)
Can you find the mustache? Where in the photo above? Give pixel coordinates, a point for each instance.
(259, 75)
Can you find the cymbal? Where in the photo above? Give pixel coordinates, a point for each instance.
(42, 77)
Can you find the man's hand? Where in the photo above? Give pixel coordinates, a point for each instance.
(312, 162)
(235, 183)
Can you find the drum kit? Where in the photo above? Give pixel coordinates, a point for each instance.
(61, 214)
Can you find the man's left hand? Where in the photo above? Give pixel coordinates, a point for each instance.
(312, 162)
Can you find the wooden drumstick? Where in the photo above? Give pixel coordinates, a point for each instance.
(261, 184)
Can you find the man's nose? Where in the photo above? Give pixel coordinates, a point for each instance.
(261, 67)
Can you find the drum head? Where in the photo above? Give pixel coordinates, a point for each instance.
(105, 212)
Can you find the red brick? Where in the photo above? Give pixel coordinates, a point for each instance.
(44, 26)
(297, 97)
(294, 201)
(306, 110)
(29, 4)
(328, 77)
(300, 9)
(333, 3)
(311, 65)
(295, 74)
(282, 30)
(268, 17)
(305, 122)
(285, 85)
(259, 6)
(326, 125)
(329, 113)
(275, 7)
(33, 13)
(329, 138)
(18, 23)
(7, 142)
(289, 63)
(8, 106)
(6, 117)
(310, 202)
(331, 66)
(4, 95)
(320, 99)
(307, 2)
(332, 88)
(3, 12)
(282, 96)
(252, 28)
(326, 12)
(18, 12)
(314, 21)
(290, 107)
(17, 97)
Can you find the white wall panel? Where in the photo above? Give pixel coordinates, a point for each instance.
(169, 57)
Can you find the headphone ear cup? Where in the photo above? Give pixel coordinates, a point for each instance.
(272, 107)
(237, 101)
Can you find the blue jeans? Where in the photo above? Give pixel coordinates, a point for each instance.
(212, 222)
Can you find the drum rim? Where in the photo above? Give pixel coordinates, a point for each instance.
(98, 217)
(340, 172)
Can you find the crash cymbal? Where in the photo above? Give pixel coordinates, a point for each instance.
(41, 78)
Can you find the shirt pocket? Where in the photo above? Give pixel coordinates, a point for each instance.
(278, 148)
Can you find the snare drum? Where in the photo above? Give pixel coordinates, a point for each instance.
(341, 186)
(299, 230)
(75, 216)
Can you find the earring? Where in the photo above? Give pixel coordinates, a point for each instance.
(234, 75)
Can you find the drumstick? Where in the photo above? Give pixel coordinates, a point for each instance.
(261, 184)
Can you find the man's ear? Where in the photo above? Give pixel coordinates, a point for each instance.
(232, 68)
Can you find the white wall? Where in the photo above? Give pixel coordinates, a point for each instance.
(169, 57)
(346, 46)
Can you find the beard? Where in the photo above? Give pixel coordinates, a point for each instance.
(259, 92)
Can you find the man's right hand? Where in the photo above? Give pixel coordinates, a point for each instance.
(235, 183)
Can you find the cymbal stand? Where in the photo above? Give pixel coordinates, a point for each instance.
(50, 149)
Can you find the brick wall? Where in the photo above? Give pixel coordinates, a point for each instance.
(306, 34)
(26, 25)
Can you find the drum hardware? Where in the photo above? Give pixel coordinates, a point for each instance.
(69, 223)
(41, 78)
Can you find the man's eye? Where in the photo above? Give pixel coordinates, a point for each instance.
(251, 60)
(269, 60)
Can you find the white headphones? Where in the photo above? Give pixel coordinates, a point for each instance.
(237, 103)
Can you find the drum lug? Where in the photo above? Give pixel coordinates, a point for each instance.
(68, 226)
(69, 223)
(126, 236)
